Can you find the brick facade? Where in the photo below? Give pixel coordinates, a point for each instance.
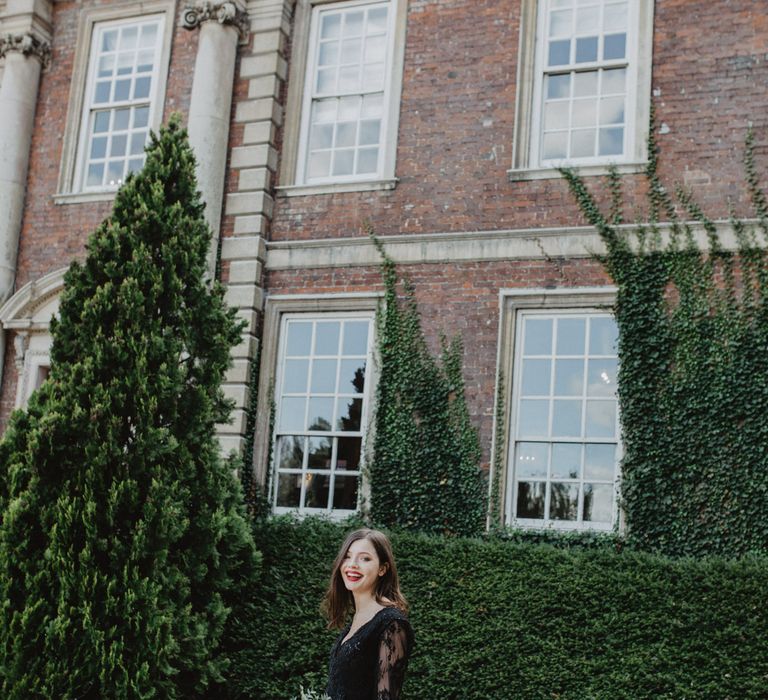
(454, 150)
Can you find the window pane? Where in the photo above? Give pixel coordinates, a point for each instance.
(327, 338)
(101, 122)
(138, 139)
(369, 132)
(585, 84)
(569, 377)
(350, 412)
(343, 162)
(587, 20)
(319, 164)
(556, 115)
(377, 20)
(330, 26)
(601, 377)
(614, 80)
(345, 492)
(122, 119)
(329, 53)
(349, 78)
(319, 453)
(288, 490)
(292, 414)
(570, 336)
(612, 110)
(555, 145)
(349, 450)
(102, 92)
(290, 451)
(615, 17)
(611, 142)
(356, 337)
(320, 413)
(533, 418)
(585, 114)
(95, 174)
(600, 462)
(119, 143)
(558, 86)
(122, 90)
(323, 376)
(346, 134)
(141, 88)
(560, 23)
(317, 487)
(367, 160)
(375, 49)
(536, 377)
(566, 460)
(538, 336)
(603, 336)
(564, 502)
(601, 419)
(99, 147)
(109, 40)
(598, 503)
(353, 23)
(586, 49)
(299, 338)
(566, 418)
(530, 499)
(559, 52)
(350, 51)
(615, 46)
(583, 143)
(140, 117)
(531, 461)
(352, 377)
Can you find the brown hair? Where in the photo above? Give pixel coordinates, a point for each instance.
(338, 601)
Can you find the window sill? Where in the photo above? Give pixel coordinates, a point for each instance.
(522, 174)
(83, 197)
(336, 188)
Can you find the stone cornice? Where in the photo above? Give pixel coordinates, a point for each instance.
(27, 44)
(225, 13)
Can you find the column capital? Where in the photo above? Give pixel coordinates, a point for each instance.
(225, 13)
(27, 44)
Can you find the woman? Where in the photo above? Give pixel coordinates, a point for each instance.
(369, 657)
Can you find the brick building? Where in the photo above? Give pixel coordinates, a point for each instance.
(441, 122)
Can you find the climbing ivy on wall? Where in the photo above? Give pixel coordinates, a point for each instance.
(693, 378)
(424, 472)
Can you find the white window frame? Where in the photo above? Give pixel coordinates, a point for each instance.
(514, 303)
(333, 433)
(526, 161)
(70, 185)
(151, 101)
(299, 101)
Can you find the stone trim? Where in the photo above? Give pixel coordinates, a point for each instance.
(566, 242)
(27, 44)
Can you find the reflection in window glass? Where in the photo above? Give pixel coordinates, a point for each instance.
(566, 419)
(320, 412)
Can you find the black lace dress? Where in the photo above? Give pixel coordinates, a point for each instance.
(370, 665)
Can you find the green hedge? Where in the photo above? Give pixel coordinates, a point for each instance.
(501, 619)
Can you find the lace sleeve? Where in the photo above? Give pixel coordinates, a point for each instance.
(394, 648)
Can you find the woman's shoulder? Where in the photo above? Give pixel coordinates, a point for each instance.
(391, 618)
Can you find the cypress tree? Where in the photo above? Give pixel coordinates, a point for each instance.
(123, 540)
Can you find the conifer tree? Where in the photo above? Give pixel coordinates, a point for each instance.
(123, 539)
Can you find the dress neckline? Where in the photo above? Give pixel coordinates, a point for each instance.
(345, 641)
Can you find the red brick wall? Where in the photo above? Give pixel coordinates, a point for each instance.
(710, 64)
(455, 298)
(54, 234)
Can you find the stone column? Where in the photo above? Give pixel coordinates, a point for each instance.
(24, 43)
(222, 25)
